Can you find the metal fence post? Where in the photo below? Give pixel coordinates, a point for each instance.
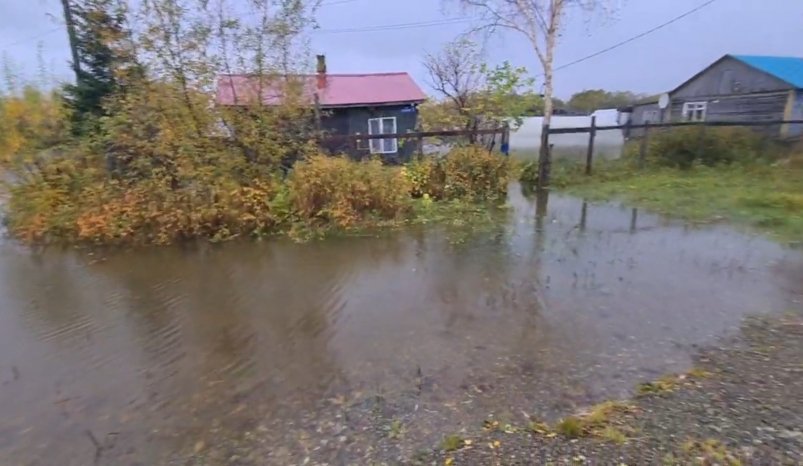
(591, 135)
(642, 156)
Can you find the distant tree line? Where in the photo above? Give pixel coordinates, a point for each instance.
(589, 100)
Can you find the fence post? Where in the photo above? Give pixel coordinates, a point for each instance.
(701, 141)
(642, 155)
(505, 145)
(626, 136)
(583, 215)
(543, 158)
(591, 135)
(420, 146)
(633, 220)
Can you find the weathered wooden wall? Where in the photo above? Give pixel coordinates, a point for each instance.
(745, 107)
(728, 77)
(354, 120)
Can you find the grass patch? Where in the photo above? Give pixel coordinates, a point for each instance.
(598, 421)
(670, 383)
(663, 385)
(452, 443)
(710, 451)
(762, 195)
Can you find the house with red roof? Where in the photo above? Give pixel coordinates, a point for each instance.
(349, 104)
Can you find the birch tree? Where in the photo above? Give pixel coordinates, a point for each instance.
(541, 23)
(475, 95)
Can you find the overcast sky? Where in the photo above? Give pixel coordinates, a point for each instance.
(652, 64)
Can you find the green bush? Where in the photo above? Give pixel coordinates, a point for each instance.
(684, 147)
(475, 173)
(426, 177)
(465, 173)
(343, 192)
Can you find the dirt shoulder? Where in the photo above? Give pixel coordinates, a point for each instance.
(743, 404)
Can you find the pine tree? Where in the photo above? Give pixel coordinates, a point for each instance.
(99, 35)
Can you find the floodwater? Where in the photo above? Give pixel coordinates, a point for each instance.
(347, 348)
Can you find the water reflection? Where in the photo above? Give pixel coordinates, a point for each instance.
(564, 303)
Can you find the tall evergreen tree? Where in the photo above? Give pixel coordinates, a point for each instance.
(99, 37)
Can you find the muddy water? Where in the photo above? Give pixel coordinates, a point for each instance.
(349, 348)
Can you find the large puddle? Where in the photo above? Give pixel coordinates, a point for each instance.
(329, 350)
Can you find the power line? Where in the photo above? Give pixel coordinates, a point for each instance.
(392, 27)
(338, 2)
(636, 37)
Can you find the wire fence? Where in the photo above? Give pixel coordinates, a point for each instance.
(402, 147)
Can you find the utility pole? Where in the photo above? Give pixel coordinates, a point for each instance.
(68, 19)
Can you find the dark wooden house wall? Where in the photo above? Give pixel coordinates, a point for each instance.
(728, 77)
(734, 92)
(737, 108)
(642, 111)
(354, 120)
(796, 113)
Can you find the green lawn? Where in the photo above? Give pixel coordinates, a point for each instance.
(763, 196)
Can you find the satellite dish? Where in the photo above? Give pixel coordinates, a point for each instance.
(663, 101)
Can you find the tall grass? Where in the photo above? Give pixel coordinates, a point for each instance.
(763, 190)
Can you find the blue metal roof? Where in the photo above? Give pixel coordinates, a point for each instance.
(789, 69)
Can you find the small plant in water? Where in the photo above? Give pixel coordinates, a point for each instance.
(571, 427)
(596, 422)
(665, 384)
(710, 452)
(612, 434)
(452, 443)
(395, 429)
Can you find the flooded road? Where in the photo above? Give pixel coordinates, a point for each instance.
(331, 350)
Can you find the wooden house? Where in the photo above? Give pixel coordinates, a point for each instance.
(348, 104)
(736, 88)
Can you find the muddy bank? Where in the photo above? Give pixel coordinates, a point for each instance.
(744, 406)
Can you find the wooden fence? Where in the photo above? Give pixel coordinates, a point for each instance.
(644, 136)
(351, 143)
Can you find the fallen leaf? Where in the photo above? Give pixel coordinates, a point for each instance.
(199, 445)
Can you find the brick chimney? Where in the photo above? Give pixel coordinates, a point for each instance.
(321, 72)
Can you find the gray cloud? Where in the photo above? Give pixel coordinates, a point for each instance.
(654, 63)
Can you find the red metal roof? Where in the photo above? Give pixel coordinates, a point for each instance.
(334, 90)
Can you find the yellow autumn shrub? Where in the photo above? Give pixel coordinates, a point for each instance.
(467, 173)
(345, 193)
(30, 122)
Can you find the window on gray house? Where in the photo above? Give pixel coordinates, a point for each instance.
(694, 111)
(385, 125)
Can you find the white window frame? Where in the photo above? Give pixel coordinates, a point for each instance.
(378, 146)
(690, 110)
